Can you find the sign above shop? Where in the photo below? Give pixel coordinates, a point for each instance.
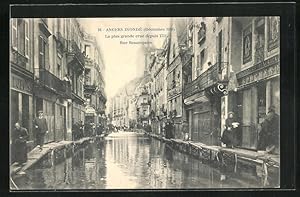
(21, 84)
(261, 71)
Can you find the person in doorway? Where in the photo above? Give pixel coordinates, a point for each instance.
(75, 131)
(185, 128)
(269, 132)
(169, 129)
(229, 134)
(41, 128)
(19, 139)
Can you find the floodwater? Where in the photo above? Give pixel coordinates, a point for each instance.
(131, 161)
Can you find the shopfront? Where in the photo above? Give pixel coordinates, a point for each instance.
(259, 88)
(21, 100)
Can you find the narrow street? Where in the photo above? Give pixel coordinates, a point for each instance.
(128, 160)
(145, 103)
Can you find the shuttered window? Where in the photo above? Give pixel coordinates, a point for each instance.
(14, 35)
(27, 39)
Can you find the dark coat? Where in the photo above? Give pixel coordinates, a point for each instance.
(269, 133)
(230, 133)
(40, 125)
(19, 139)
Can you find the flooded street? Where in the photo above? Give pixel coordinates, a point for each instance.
(132, 161)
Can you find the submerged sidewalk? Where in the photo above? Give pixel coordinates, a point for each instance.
(223, 155)
(35, 155)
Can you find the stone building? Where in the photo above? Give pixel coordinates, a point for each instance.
(230, 64)
(174, 77)
(94, 81)
(22, 73)
(47, 73)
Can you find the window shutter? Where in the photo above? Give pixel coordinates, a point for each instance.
(14, 35)
(27, 39)
(41, 53)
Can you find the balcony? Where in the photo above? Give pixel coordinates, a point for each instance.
(18, 59)
(210, 77)
(75, 58)
(49, 80)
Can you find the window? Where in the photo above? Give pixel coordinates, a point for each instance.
(14, 35)
(58, 24)
(59, 64)
(42, 49)
(174, 52)
(88, 76)
(202, 60)
(87, 50)
(190, 36)
(26, 39)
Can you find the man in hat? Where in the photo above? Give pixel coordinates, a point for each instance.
(269, 132)
(41, 128)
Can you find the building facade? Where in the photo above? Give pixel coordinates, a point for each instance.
(174, 75)
(94, 81)
(255, 60)
(22, 73)
(47, 67)
(230, 64)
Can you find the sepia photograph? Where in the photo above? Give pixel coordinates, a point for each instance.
(144, 103)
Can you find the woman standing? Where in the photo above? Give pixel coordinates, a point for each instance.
(229, 134)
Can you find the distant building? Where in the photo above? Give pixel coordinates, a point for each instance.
(94, 87)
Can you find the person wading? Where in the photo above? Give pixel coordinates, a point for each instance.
(19, 139)
(41, 128)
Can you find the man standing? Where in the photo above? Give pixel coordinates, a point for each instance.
(269, 133)
(19, 138)
(41, 128)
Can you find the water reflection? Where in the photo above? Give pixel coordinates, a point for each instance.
(133, 162)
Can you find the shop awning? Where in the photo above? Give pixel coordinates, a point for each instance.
(196, 98)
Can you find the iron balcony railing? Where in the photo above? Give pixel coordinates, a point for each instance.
(18, 59)
(211, 76)
(51, 81)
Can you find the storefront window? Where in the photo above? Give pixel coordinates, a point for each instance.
(261, 99)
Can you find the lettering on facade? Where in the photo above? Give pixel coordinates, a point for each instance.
(21, 84)
(273, 33)
(269, 71)
(247, 45)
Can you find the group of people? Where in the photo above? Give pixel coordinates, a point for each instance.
(268, 131)
(20, 137)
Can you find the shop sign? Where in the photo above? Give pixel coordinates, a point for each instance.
(273, 32)
(21, 84)
(247, 45)
(266, 72)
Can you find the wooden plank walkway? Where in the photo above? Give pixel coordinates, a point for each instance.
(35, 155)
(236, 155)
